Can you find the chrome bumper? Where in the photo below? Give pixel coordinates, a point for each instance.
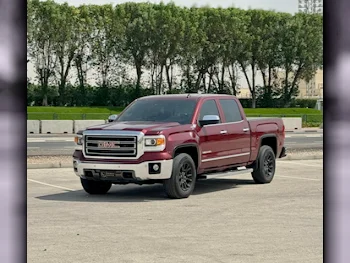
(140, 171)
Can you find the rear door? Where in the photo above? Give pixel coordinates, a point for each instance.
(213, 140)
(238, 132)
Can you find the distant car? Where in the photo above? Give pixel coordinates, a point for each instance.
(176, 140)
(112, 118)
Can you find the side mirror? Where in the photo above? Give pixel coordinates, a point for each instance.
(112, 118)
(209, 119)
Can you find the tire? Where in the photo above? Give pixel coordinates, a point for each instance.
(264, 170)
(179, 186)
(95, 187)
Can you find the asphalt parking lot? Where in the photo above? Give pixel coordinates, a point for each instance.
(228, 219)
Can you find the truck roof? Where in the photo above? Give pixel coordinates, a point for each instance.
(186, 95)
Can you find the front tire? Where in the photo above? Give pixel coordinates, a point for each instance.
(183, 177)
(264, 170)
(95, 187)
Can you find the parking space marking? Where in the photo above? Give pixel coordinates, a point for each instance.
(55, 186)
(301, 163)
(299, 178)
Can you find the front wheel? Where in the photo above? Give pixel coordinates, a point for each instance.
(183, 177)
(265, 166)
(95, 187)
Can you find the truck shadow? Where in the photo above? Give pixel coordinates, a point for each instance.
(145, 193)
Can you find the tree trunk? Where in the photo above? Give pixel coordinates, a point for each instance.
(138, 80)
(253, 87)
(168, 77)
(160, 83)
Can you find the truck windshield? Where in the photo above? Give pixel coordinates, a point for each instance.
(167, 110)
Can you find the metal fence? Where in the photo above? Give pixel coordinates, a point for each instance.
(311, 120)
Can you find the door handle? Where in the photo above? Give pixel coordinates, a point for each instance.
(223, 132)
(246, 129)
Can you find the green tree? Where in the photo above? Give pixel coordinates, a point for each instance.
(138, 30)
(41, 38)
(166, 35)
(248, 59)
(269, 57)
(301, 51)
(83, 58)
(65, 45)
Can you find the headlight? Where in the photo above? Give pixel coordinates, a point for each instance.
(78, 142)
(154, 143)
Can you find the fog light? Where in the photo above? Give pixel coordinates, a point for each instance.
(154, 168)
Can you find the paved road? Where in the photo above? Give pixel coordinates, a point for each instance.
(226, 220)
(64, 144)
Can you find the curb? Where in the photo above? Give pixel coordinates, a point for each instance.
(302, 131)
(70, 165)
(49, 165)
(296, 158)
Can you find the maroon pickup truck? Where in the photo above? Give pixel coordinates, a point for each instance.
(176, 140)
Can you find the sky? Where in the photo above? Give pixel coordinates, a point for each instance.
(290, 6)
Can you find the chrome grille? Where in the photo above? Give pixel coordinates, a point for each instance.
(110, 146)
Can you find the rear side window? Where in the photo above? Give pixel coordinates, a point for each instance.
(209, 108)
(231, 110)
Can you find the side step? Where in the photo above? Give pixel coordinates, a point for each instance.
(239, 170)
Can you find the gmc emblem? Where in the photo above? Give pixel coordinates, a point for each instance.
(107, 145)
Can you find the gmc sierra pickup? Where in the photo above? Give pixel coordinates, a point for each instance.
(176, 140)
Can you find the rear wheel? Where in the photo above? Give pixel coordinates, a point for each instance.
(95, 187)
(183, 178)
(265, 166)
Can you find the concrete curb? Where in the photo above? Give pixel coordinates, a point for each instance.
(49, 165)
(70, 165)
(305, 131)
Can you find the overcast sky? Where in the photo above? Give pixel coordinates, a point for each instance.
(290, 6)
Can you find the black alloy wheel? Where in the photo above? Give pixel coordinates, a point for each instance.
(186, 176)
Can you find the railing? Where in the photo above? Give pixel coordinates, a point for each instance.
(309, 120)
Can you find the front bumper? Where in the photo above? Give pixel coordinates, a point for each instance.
(125, 172)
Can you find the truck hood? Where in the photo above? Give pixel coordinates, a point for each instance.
(135, 126)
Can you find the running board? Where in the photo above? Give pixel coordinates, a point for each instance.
(239, 170)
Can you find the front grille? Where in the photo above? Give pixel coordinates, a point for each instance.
(110, 146)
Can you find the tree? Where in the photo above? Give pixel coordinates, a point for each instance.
(138, 29)
(248, 59)
(83, 58)
(301, 51)
(66, 44)
(167, 33)
(41, 38)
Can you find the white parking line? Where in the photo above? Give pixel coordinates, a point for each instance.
(293, 163)
(299, 178)
(56, 186)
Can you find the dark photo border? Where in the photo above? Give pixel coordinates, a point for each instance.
(13, 127)
(13, 133)
(336, 130)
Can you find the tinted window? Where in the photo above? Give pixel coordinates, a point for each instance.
(209, 108)
(160, 110)
(231, 110)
